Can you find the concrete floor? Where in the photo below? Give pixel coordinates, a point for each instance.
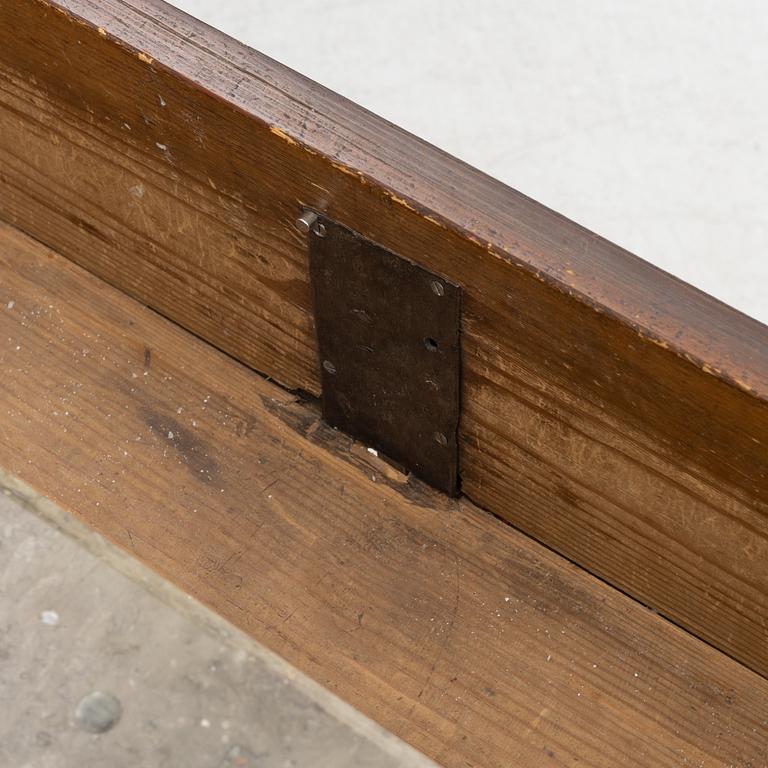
(78, 618)
(645, 121)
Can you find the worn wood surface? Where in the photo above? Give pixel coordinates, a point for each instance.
(463, 636)
(611, 411)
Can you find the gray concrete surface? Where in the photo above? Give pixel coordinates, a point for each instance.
(191, 690)
(645, 121)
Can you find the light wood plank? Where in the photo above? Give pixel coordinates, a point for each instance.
(611, 411)
(464, 637)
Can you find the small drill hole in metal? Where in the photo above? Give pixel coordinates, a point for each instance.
(329, 366)
(430, 344)
(441, 439)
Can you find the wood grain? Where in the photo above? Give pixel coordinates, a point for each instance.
(616, 414)
(469, 640)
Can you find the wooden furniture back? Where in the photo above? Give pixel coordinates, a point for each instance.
(609, 410)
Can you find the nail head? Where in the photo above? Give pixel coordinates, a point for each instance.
(306, 221)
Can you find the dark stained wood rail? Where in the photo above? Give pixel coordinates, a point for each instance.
(463, 636)
(611, 411)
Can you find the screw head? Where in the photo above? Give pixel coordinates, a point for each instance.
(329, 366)
(441, 439)
(319, 229)
(305, 222)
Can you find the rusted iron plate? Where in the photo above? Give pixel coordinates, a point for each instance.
(389, 341)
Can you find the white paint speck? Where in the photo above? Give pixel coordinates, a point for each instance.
(161, 99)
(51, 618)
(170, 435)
(205, 723)
(373, 451)
(126, 126)
(11, 304)
(161, 146)
(137, 191)
(507, 599)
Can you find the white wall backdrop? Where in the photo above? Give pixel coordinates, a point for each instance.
(645, 120)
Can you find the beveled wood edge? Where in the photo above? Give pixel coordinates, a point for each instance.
(717, 339)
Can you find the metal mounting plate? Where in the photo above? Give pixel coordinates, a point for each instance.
(388, 335)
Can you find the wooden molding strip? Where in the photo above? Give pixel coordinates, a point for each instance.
(611, 411)
(463, 636)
